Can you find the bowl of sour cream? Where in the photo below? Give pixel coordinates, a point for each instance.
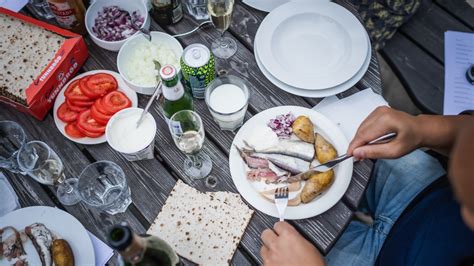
(123, 135)
(136, 59)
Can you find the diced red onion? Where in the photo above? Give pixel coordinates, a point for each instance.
(281, 125)
(115, 24)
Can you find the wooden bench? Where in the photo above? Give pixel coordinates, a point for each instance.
(416, 52)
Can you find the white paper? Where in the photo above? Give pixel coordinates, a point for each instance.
(458, 56)
(103, 253)
(13, 5)
(8, 198)
(348, 113)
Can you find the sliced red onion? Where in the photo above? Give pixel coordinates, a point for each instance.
(281, 125)
(115, 24)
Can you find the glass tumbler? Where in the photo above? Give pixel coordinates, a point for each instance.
(12, 138)
(227, 98)
(103, 185)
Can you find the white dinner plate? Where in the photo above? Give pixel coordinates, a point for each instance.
(317, 93)
(312, 45)
(323, 202)
(122, 86)
(58, 222)
(269, 5)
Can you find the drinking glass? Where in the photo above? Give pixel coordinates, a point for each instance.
(220, 12)
(40, 9)
(12, 138)
(40, 162)
(188, 134)
(227, 98)
(103, 185)
(197, 9)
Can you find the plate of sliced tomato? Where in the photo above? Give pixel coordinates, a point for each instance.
(87, 102)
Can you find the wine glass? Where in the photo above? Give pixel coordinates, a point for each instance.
(12, 138)
(40, 162)
(220, 12)
(103, 185)
(188, 134)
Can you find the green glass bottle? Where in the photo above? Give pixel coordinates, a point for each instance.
(140, 250)
(175, 98)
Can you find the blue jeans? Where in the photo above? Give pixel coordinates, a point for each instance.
(394, 184)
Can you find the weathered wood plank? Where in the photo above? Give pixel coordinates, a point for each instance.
(420, 73)
(428, 25)
(461, 9)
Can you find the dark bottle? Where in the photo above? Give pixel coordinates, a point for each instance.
(166, 12)
(141, 250)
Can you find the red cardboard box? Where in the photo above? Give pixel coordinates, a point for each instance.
(41, 93)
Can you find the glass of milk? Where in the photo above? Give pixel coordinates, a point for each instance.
(227, 98)
(123, 135)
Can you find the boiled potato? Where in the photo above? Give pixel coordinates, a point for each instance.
(324, 150)
(62, 253)
(303, 128)
(316, 184)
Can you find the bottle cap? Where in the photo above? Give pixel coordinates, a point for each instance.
(120, 236)
(167, 72)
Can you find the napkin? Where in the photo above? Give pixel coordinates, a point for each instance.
(103, 253)
(348, 113)
(13, 5)
(8, 197)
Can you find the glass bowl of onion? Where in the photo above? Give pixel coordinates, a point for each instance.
(111, 22)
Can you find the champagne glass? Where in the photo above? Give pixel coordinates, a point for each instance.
(40, 162)
(220, 12)
(188, 134)
(12, 138)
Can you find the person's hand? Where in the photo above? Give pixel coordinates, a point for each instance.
(285, 246)
(381, 121)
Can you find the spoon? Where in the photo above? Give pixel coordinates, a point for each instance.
(154, 96)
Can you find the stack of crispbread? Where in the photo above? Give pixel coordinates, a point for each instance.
(205, 228)
(25, 50)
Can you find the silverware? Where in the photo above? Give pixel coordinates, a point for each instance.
(146, 33)
(150, 102)
(193, 30)
(331, 164)
(281, 201)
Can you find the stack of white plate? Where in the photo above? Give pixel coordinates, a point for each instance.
(312, 49)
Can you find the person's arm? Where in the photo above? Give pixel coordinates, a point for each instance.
(430, 131)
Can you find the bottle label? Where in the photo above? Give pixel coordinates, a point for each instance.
(173, 93)
(175, 127)
(65, 14)
(177, 13)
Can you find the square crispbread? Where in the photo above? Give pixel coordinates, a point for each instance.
(205, 228)
(25, 50)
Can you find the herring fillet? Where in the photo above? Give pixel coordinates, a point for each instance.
(293, 148)
(291, 164)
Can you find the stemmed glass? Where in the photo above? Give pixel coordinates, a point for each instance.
(12, 138)
(41, 163)
(220, 12)
(188, 134)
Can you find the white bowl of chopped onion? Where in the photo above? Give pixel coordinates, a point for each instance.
(111, 22)
(135, 60)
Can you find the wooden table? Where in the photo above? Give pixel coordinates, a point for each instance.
(416, 52)
(152, 180)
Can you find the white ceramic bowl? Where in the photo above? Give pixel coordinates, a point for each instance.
(127, 49)
(128, 5)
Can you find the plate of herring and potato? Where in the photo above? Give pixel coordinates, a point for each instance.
(277, 144)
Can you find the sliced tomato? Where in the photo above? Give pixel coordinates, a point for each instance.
(88, 123)
(99, 104)
(80, 103)
(115, 101)
(99, 117)
(99, 85)
(66, 114)
(74, 107)
(74, 92)
(72, 131)
(87, 133)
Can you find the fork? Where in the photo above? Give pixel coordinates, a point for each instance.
(281, 201)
